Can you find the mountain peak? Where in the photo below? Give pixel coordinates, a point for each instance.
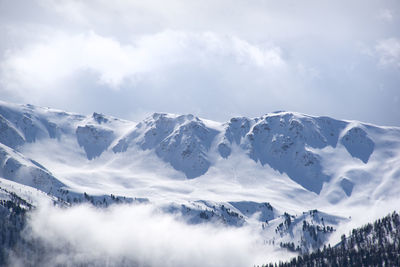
(100, 118)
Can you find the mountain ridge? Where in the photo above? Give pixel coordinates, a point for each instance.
(286, 141)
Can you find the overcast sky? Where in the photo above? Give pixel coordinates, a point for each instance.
(215, 59)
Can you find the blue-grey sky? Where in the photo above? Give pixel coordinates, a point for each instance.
(215, 59)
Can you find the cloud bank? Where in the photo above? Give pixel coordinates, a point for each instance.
(41, 66)
(217, 60)
(140, 235)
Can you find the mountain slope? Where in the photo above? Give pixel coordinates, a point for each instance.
(290, 143)
(17, 168)
(323, 155)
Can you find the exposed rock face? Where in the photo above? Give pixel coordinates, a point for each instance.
(358, 144)
(94, 139)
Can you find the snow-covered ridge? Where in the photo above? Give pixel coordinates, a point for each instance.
(285, 141)
(15, 167)
(288, 142)
(305, 232)
(234, 213)
(183, 141)
(27, 123)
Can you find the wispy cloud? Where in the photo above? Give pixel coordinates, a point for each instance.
(389, 52)
(385, 15)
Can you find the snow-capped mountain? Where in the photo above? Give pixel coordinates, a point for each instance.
(271, 172)
(288, 142)
(294, 145)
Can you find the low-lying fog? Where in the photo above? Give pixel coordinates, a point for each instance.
(137, 235)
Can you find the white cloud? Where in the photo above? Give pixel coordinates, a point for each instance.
(140, 234)
(385, 15)
(44, 65)
(389, 52)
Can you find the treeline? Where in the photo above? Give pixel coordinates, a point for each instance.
(375, 244)
(12, 221)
